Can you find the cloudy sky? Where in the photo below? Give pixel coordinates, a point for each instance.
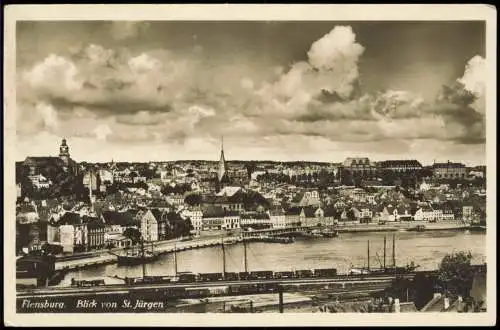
(321, 91)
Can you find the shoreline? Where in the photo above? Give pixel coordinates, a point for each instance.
(163, 247)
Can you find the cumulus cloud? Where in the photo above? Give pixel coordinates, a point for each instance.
(121, 96)
(474, 80)
(55, 74)
(332, 66)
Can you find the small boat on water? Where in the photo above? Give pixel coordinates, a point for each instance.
(418, 228)
(388, 270)
(330, 234)
(137, 257)
(384, 268)
(274, 239)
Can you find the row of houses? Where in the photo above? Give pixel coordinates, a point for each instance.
(218, 218)
(85, 232)
(76, 232)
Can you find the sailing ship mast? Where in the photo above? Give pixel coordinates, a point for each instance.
(175, 259)
(385, 239)
(245, 252)
(143, 260)
(368, 255)
(223, 260)
(394, 252)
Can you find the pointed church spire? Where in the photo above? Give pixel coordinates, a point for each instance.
(222, 162)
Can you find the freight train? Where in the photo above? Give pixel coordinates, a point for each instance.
(188, 277)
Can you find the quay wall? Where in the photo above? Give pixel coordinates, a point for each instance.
(104, 257)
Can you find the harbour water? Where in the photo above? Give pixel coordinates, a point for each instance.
(348, 250)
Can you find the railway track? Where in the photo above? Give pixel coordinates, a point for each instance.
(103, 289)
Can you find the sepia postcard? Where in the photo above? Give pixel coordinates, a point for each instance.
(262, 165)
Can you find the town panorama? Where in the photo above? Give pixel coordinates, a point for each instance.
(326, 168)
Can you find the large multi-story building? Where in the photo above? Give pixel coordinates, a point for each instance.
(359, 165)
(401, 165)
(449, 170)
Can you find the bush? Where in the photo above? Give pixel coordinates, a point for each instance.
(456, 273)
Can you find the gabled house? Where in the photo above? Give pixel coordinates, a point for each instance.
(277, 217)
(309, 198)
(95, 233)
(404, 213)
(362, 212)
(331, 214)
(70, 231)
(307, 218)
(292, 216)
(424, 213)
(389, 213)
(149, 226)
(162, 220)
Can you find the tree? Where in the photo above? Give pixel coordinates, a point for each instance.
(456, 273)
(193, 199)
(179, 227)
(133, 234)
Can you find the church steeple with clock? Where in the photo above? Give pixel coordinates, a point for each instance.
(64, 152)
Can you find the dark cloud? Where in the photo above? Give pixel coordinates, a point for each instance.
(158, 94)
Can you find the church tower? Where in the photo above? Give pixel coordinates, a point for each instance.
(64, 152)
(222, 171)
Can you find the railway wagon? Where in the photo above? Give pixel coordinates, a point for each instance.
(231, 276)
(174, 292)
(325, 272)
(261, 275)
(210, 277)
(244, 275)
(84, 283)
(239, 289)
(155, 279)
(197, 292)
(187, 278)
(304, 273)
(286, 274)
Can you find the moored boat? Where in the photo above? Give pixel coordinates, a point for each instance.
(330, 234)
(137, 256)
(418, 228)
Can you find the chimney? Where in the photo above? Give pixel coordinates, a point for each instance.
(397, 307)
(446, 303)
